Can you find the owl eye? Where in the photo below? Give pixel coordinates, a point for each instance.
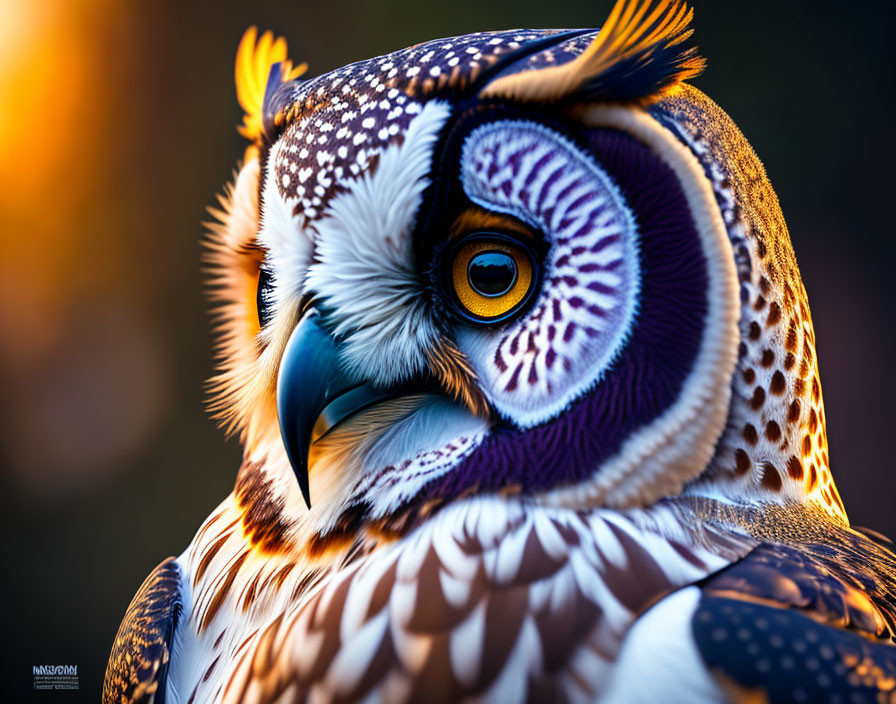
(491, 276)
(264, 296)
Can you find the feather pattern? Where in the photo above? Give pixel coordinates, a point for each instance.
(138, 665)
(490, 598)
(256, 63)
(640, 54)
(805, 621)
(241, 393)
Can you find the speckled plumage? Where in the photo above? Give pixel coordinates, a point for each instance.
(339, 122)
(597, 492)
(777, 440)
(141, 655)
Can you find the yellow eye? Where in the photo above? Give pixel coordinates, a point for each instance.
(492, 276)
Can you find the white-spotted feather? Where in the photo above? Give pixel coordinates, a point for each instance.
(365, 272)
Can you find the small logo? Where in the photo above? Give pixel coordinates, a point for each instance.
(55, 676)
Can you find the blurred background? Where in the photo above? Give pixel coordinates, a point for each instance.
(117, 128)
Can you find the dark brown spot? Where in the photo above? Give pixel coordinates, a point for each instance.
(251, 592)
(284, 573)
(341, 534)
(807, 445)
(758, 398)
(741, 462)
(778, 383)
(771, 479)
(762, 250)
(795, 468)
(792, 338)
(793, 412)
(774, 314)
(813, 420)
(799, 387)
(750, 434)
(837, 498)
(759, 304)
(816, 389)
(308, 580)
(208, 672)
(773, 431)
(789, 361)
(208, 556)
(742, 350)
(263, 519)
(749, 375)
(755, 330)
(768, 358)
(764, 285)
(813, 477)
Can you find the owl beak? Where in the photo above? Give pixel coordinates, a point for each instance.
(313, 393)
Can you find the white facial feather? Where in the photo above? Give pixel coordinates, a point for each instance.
(365, 275)
(421, 448)
(288, 243)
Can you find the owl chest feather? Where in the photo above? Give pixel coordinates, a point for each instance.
(489, 598)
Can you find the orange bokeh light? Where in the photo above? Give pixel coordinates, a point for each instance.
(67, 242)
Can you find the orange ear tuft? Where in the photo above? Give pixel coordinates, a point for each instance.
(254, 61)
(642, 52)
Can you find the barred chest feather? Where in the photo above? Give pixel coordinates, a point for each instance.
(490, 599)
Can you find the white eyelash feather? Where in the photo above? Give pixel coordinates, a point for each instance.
(288, 244)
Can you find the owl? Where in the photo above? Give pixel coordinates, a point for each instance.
(511, 330)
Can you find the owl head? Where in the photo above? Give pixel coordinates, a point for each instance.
(529, 262)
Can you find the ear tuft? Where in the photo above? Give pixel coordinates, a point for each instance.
(642, 53)
(257, 63)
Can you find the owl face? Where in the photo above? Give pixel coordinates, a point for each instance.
(490, 263)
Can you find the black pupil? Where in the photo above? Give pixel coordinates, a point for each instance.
(491, 273)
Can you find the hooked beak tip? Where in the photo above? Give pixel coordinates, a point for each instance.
(311, 385)
(308, 365)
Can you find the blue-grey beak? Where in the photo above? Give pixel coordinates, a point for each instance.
(311, 386)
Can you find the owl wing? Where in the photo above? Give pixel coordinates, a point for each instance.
(138, 666)
(789, 623)
(804, 623)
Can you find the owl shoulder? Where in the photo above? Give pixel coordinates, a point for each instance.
(814, 621)
(138, 665)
